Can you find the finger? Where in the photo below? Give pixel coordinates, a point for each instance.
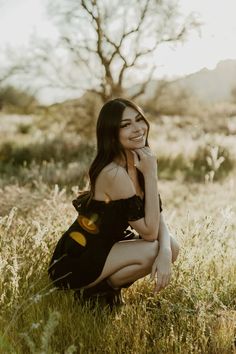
(165, 282)
(136, 160)
(146, 150)
(157, 288)
(140, 152)
(152, 275)
(169, 279)
(159, 284)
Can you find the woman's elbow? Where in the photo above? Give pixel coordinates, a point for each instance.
(150, 237)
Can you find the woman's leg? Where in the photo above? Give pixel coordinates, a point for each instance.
(131, 260)
(128, 261)
(128, 273)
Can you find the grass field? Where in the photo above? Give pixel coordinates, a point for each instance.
(196, 313)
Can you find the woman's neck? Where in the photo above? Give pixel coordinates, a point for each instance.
(127, 162)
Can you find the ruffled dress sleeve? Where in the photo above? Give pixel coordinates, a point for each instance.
(80, 202)
(134, 207)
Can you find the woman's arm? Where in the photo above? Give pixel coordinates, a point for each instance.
(117, 184)
(152, 206)
(163, 236)
(162, 265)
(146, 163)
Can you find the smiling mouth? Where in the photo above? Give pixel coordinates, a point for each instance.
(138, 138)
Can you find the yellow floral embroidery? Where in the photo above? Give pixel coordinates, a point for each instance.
(88, 224)
(78, 237)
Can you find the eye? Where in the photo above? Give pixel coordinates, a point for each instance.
(124, 125)
(140, 118)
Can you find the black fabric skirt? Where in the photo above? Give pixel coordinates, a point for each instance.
(69, 268)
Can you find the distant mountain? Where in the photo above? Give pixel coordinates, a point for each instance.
(212, 85)
(209, 85)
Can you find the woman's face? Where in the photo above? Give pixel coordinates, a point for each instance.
(133, 129)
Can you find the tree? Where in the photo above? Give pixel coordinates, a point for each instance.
(103, 44)
(109, 39)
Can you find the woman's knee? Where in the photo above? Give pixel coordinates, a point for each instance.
(150, 250)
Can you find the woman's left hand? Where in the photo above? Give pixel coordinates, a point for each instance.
(162, 268)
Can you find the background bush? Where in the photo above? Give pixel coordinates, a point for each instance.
(15, 100)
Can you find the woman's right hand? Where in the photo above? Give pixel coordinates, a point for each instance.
(145, 161)
(162, 269)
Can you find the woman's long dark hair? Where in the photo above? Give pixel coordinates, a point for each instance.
(108, 144)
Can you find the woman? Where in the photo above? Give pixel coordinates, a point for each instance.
(97, 253)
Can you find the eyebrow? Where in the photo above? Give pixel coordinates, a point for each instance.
(129, 119)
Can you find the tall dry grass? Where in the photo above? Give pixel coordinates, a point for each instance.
(196, 313)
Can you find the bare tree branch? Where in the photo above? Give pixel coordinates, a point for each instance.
(144, 84)
(103, 54)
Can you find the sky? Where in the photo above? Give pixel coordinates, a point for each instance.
(216, 42)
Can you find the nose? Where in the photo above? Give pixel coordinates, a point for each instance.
(137, 127)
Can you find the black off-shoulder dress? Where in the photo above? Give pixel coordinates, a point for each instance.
(81, 252)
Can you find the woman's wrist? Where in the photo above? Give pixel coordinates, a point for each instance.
(151, 175)
(165, 249)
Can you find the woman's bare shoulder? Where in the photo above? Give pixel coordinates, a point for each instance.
(116, 181)
(114, 172)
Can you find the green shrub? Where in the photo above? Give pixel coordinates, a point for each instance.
(24, 128)
(48, 150)
(64, 162)
(169, 166)
(60, 165)
(208, 163)
(13, 99)
(6, 152)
